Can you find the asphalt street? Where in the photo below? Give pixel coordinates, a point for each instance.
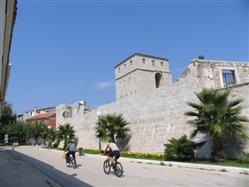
(90, 172)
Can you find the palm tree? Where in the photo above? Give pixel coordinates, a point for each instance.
(44, 133)
(66, 133)
(218, 117)
(52, 135)
(111, 126)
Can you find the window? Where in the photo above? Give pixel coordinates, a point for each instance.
(143, 60)
(131, 62)
(153, 62)
(158, 79)
(228, 77)
(161, 63)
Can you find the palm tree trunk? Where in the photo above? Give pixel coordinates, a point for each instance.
(112, 137)
(65, 143)
(216, 149)
(99, 146)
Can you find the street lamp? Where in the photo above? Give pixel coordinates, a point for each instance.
(99, 114)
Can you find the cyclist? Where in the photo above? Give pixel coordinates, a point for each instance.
(70, 150)
(113, 151)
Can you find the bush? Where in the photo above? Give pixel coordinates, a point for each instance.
(181, 149)
(158, 156)
(243, 158)
(91, 151)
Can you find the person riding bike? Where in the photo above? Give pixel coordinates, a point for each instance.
(113, 151)
(70, 150)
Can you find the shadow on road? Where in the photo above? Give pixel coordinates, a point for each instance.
(78, 165)
(62, 178)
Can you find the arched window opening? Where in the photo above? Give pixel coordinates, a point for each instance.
(158, 79)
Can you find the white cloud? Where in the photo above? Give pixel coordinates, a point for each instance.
(105, 84)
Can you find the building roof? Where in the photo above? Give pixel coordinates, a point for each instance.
(42, 116)
(143, 55)
(39, 109)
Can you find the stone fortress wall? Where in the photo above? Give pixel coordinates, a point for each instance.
(155, 112)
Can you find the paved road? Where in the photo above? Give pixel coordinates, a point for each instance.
(135, 174)
(16, 173)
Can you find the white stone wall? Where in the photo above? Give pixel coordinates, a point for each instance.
(155, 116)
(210, 72)
(239, 92)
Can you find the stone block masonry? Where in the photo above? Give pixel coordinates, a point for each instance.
(155, 112)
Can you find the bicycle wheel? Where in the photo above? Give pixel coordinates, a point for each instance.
(74, 164)
(118, 169)
(70, 161)
(106, 166)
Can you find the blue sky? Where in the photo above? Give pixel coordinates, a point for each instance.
(65, 51)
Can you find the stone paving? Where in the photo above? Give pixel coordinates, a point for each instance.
(136, 173)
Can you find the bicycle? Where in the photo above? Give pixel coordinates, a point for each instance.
(117, 167)
(72, 161)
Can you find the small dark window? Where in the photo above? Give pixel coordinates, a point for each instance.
(153, 62)
(124, 65)
(228, 77)
(131, 62)
(143, 60)
(161, 63)
(158, 80)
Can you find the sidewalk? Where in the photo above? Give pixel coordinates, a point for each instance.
(185, 165)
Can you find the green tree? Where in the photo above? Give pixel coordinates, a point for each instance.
(218, 117)
(18, 132)
(44, 133)
(52, 135)
(28, 130)
(66, 133)
(111, 126)
(6, 114)
(38, 130)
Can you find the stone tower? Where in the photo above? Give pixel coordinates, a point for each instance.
(140, 74)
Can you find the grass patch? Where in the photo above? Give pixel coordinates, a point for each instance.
(232, 163)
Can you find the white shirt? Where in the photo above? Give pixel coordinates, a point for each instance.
(113, 146)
